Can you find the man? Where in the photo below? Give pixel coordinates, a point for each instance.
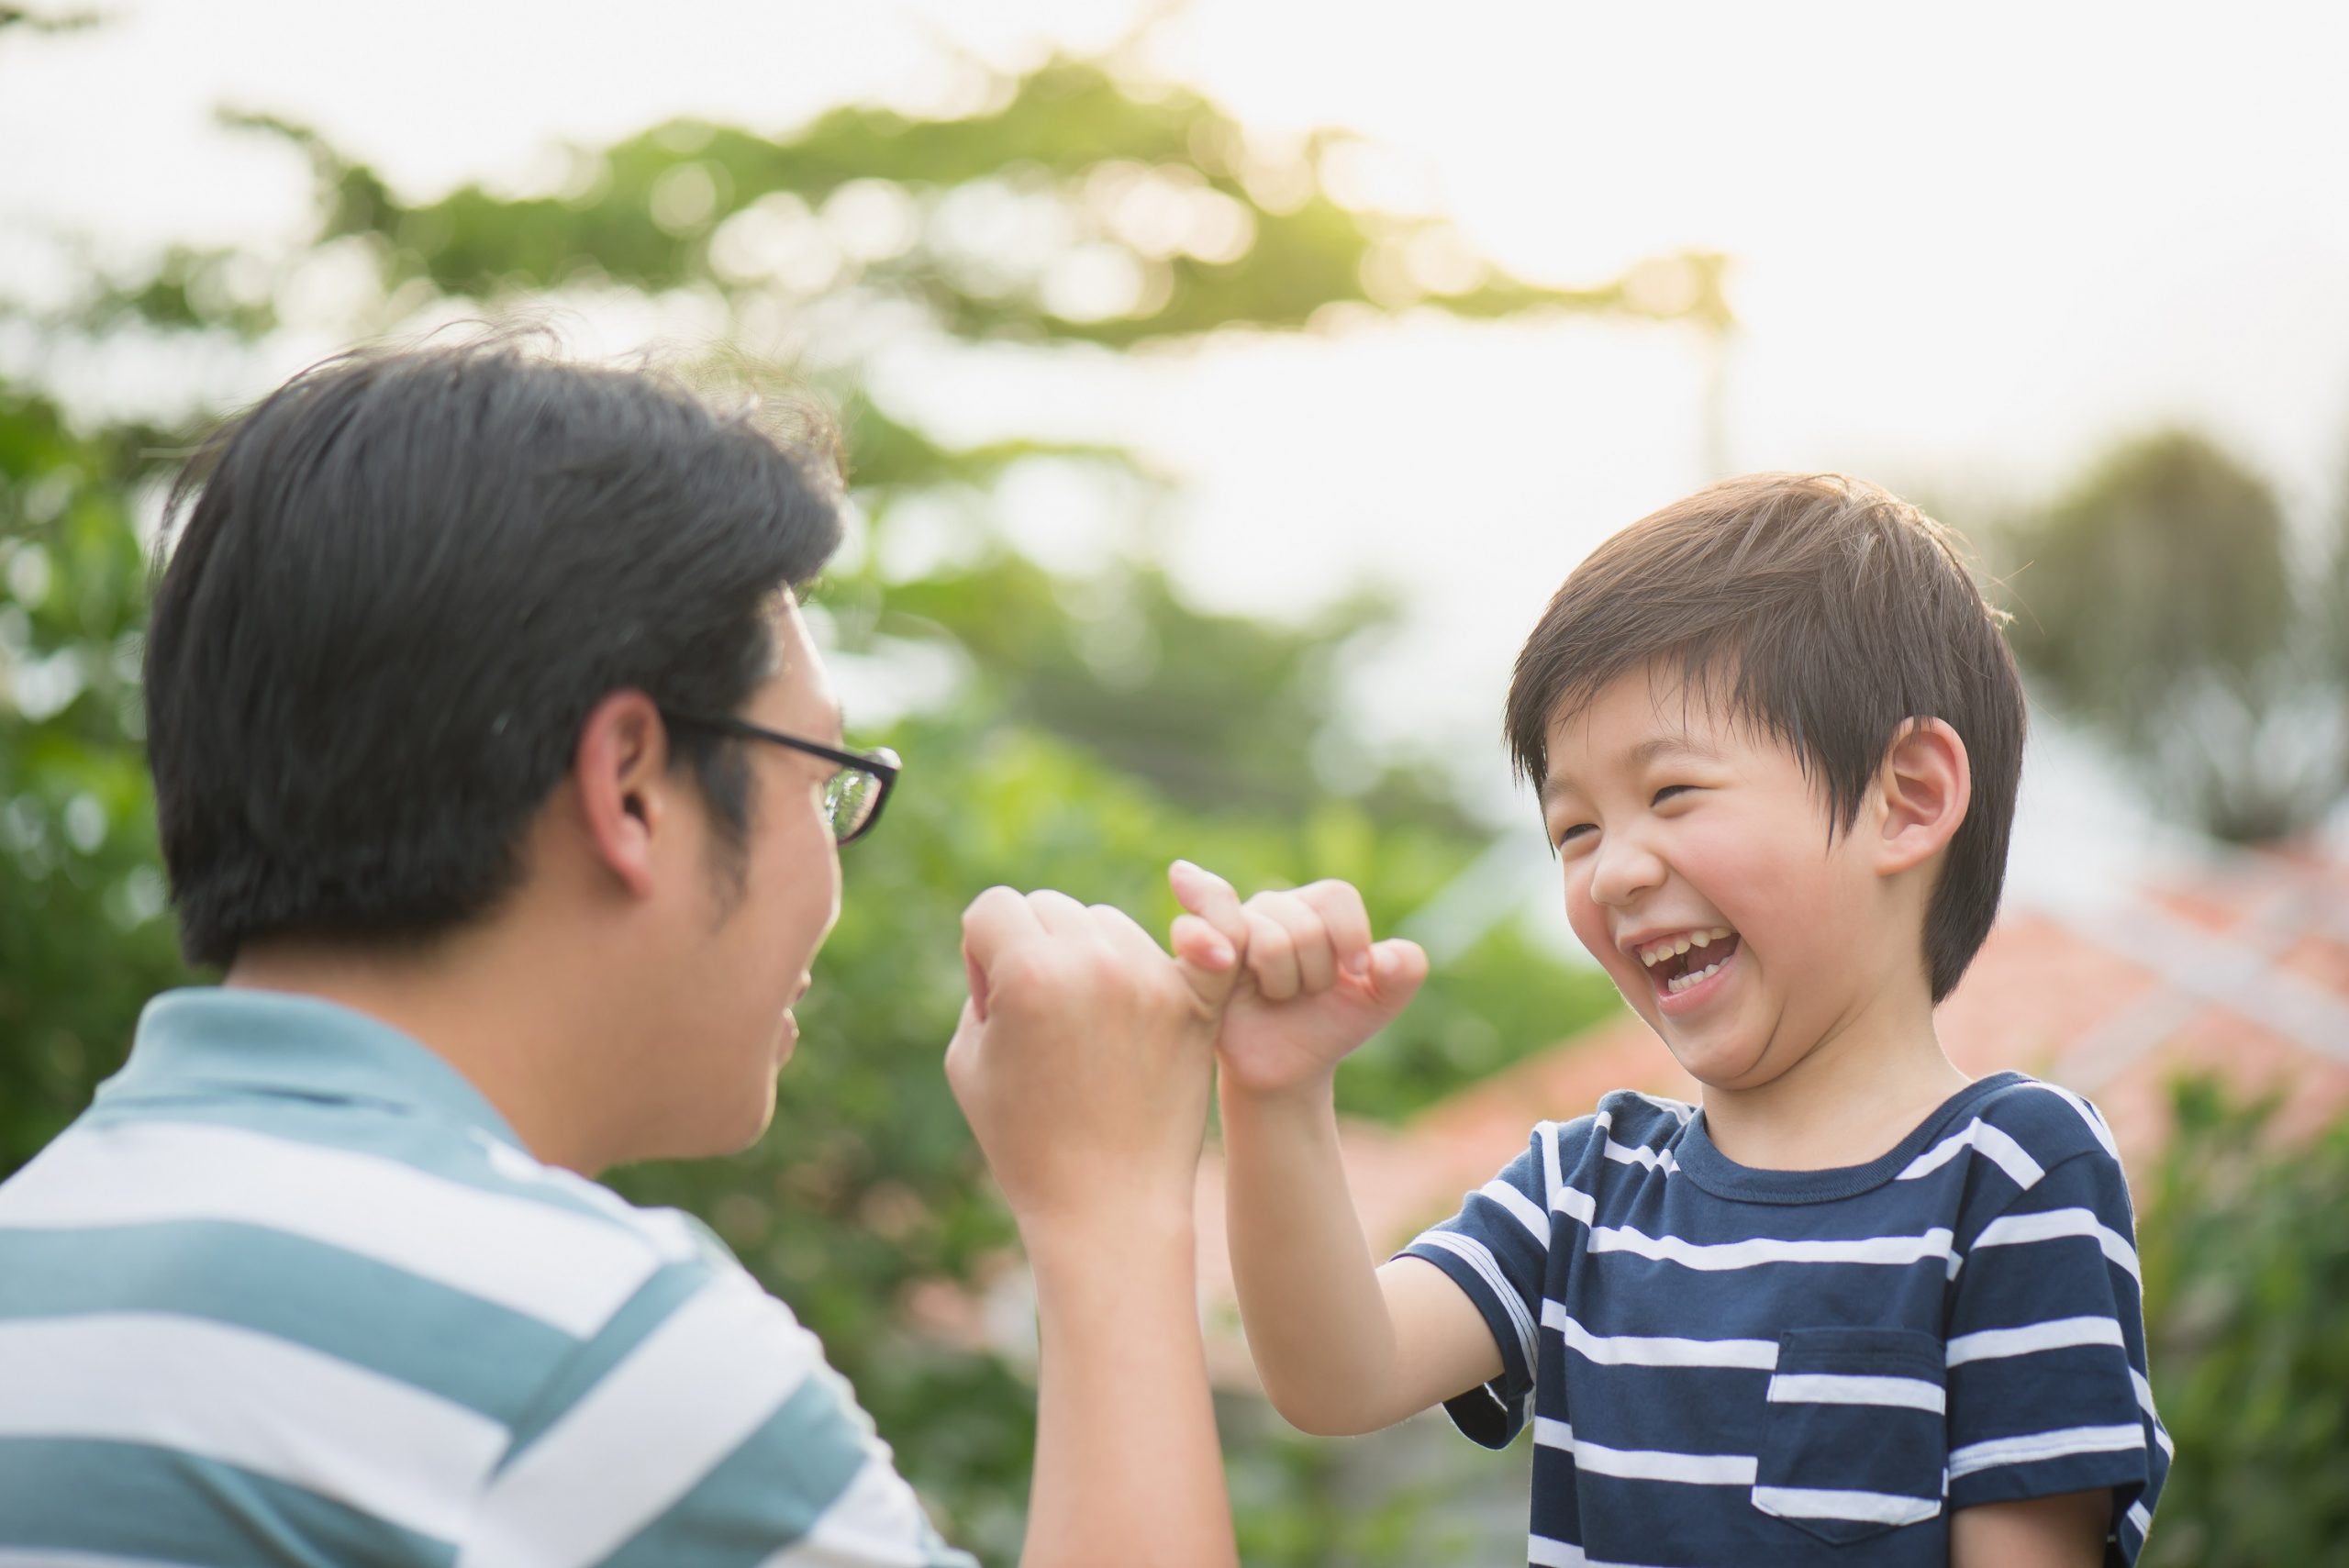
(495, 767)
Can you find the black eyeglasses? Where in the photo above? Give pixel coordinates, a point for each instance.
(853, 797)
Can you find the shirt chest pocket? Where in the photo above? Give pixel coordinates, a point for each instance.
(1854, 1442)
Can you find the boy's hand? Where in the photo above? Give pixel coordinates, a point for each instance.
(1315, 986)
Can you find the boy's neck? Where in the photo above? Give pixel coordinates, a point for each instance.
(1851, 1098)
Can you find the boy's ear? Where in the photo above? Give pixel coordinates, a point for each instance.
(1926, 784)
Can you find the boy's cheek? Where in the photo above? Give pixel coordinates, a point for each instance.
(1589, 923)
(1580, 910)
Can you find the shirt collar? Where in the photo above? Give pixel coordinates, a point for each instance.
(211, 1040)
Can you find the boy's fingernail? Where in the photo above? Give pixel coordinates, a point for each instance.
(1359, 965)
(1389, 963)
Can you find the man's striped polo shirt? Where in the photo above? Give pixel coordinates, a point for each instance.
(1732, 1365)
(291, 1292)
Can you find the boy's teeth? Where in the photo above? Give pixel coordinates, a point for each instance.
(1675, 946)
(1680, 982)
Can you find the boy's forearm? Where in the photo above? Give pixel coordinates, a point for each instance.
(1317, 1319)
(1128, 1467)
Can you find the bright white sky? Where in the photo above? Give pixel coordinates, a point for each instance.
(1974, 242)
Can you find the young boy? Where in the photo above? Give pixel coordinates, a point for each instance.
(1852, 1308)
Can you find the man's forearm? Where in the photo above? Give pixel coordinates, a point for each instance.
(1318, 1322)
(1128, 1467)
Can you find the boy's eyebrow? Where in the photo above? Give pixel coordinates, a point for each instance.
(1677, 743)
(1669, 743)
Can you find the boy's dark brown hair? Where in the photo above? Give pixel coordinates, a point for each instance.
(1826, 611)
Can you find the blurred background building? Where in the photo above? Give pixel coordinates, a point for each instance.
(1226, 387)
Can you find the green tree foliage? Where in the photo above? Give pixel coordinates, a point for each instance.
(2168, 604)
(2246, 1264)
(80, 946)
(1070, 732)
(47, 21)
(964, 219)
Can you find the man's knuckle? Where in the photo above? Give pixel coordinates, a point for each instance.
(1020, 974)
(988, 903)
(1106, 973)
(1109, 922)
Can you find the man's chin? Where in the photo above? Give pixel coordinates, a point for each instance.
(735, 1126)
(765, 1101)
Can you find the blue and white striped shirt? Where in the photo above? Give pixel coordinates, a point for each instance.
(1725, 1364)
(292, 1292)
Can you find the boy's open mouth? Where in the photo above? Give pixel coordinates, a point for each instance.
(1676, 965)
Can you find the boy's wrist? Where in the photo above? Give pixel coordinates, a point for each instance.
(1315, 1095)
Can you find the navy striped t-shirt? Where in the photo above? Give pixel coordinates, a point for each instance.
(1725, 1364)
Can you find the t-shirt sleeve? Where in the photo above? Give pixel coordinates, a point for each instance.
(711, 1431)
(1497, 1248)
(2047, 1373)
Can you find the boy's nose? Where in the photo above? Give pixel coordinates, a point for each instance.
(1621, 868)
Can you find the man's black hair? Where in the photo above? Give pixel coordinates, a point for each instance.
(401, 583)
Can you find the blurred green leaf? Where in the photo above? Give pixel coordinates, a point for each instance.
(2246, 1263)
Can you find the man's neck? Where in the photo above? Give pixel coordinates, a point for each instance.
(473, 1009)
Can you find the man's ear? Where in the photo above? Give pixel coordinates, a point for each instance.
(621, 772)
(1926, 783)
